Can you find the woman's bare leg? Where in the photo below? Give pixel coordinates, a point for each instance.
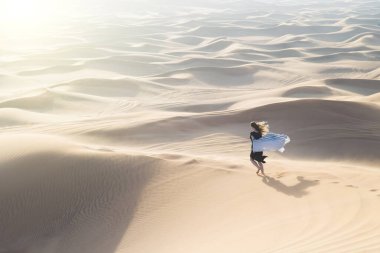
(261, 165)
(257, 165)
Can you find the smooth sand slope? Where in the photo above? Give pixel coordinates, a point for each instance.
(129, 132)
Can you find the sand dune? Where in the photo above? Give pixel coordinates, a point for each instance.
(52, 101)
(50, 70)
(257, 75)
(98, 194)
(347, 128)
(126, 87)
(375, 74)
(360, 86)
(309, 92)
(370, 39)
(126, 67)
(84, 199)
(364, 56)
(207, 62)
(190, 40)
(17, 117)
(125, 128)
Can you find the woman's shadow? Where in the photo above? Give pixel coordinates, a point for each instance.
(298, 190)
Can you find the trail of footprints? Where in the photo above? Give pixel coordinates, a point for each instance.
(282, 174)
(357, 187)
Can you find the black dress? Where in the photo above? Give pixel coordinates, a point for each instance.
(258, 156)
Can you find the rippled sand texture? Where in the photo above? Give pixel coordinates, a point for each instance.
(129, 133)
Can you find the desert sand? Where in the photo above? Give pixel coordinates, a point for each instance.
(126, 129)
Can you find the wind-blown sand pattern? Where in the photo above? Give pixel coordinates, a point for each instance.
(129, 131)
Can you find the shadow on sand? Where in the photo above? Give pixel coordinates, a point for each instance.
(298, 190)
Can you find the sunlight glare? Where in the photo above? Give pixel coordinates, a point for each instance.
(24, 12)
(24, 22)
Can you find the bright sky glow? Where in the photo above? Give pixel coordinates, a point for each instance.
(24, 22)
(25, 12)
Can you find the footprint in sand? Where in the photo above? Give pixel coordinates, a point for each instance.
(280, 175)
(373, 190)
(352, 186)
(335, 182)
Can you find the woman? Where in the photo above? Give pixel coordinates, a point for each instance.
(259, 130)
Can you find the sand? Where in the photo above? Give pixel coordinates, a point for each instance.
(127, 129)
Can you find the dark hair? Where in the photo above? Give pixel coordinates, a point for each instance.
(255, 126)
(261, 127)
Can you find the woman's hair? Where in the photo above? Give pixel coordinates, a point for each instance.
(262, 127)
